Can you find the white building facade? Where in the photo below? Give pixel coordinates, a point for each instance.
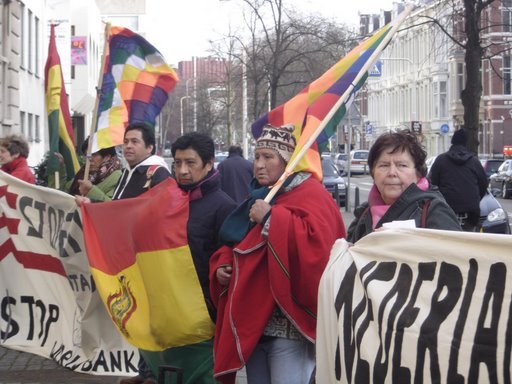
(422, 74)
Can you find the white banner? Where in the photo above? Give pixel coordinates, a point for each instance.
(48, 301)
(416, 306)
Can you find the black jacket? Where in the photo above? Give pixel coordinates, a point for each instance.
(235, 177)
(461, 179)
(209, 206)
(132, 182)
(408, 206)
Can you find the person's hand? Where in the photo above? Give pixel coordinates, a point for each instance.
(81, 200)
(84, 187)
(258, 211)
(224, 274)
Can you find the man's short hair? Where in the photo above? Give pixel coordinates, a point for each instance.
(235, 150)
(201, 143)
(16, 145)
(148, 134)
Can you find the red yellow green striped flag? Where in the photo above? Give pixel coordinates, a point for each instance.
(143, 269)
(59, 119)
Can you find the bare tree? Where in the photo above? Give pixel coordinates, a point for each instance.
(472, 22)
(287, 50)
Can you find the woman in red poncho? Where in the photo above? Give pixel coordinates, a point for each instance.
(13, 158)
(265, 282)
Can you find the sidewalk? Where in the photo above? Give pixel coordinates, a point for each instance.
(26, 368)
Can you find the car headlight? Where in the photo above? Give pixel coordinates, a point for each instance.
(497, 214)
(341, 186)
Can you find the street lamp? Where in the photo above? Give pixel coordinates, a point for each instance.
(181, 111)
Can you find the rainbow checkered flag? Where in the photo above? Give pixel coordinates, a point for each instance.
(318, 108)
(136, 85)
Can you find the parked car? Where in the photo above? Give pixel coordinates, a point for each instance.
(429, 163)
(341, 159)
(333, 181)
(493, 218)
(491, 165)
(359, 161)
(501, 181)
(219, 156)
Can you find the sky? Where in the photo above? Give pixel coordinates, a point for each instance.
(182, 29)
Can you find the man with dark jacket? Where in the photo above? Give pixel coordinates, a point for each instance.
(193, 168)
(144, 169)
(462, 180)
(235, 174)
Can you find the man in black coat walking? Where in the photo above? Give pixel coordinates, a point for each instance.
(462, 180)
(235, 175)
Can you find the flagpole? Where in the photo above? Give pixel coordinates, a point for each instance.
(291, 165)
(94, 122)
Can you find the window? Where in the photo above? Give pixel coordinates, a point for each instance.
(30, 127)
(30, 47)
(440, 102)
(23, 34)
(23, 126)
(507, 88)
(460, 80)
(36, 46)
(506, 15)
(37, 129)
(442, 99)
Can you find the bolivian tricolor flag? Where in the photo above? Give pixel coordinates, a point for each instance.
(143, 268)
(59, 119)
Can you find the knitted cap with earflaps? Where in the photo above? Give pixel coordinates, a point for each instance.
(280, 139)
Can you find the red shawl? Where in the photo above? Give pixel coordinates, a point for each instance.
(283, 270)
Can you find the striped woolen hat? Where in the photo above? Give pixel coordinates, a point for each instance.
(280, 139)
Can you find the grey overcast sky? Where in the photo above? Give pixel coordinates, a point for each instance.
(181, 29)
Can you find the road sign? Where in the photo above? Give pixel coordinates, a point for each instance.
(444, 129)
(416, 127)
(369, 129)
(376, 70)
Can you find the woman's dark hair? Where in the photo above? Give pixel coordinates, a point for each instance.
(148, 134)
(16, 145)
(199, 142)
(393, 142)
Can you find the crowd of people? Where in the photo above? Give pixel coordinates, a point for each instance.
(259, 262)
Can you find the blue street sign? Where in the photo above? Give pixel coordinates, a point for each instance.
(369, 129)
(376, 70)
(445, 128)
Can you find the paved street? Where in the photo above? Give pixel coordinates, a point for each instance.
(26, 368)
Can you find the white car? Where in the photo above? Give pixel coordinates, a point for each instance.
(358, 162)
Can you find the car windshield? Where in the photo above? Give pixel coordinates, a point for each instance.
(329, 169)
(220, 156)
(361, 155)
